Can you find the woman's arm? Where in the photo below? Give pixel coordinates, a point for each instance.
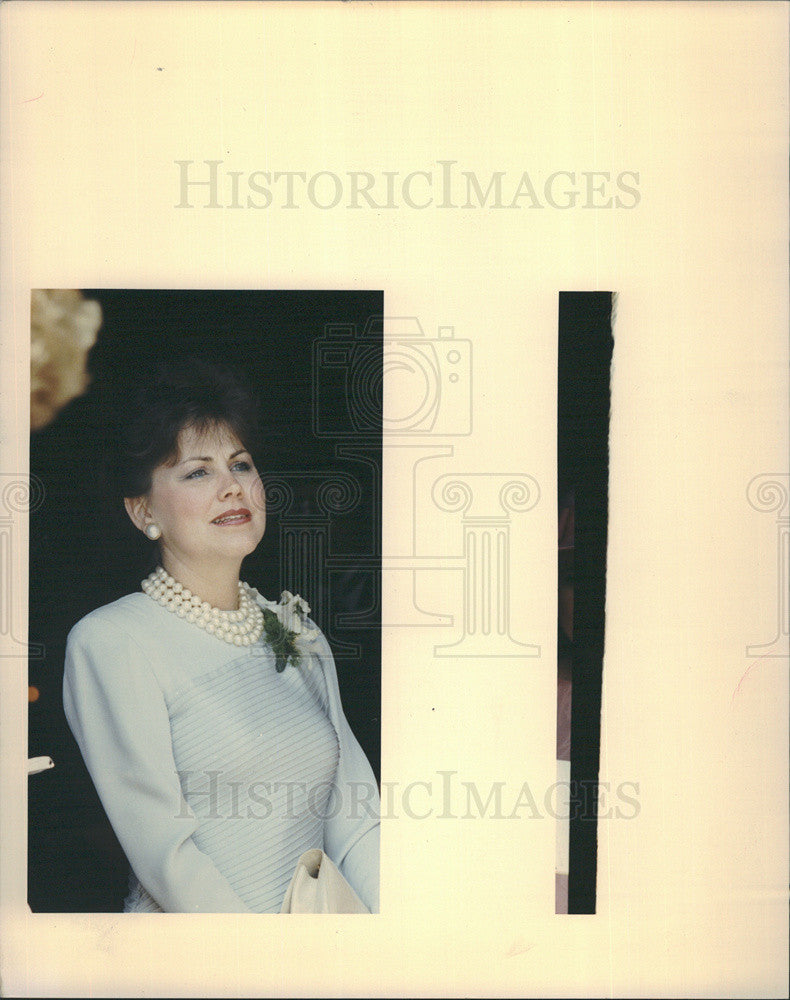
(119, 718)
(351, 832)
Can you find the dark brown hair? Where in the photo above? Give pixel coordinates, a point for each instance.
(180, 394)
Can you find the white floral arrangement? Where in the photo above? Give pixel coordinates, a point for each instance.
(285, 625)
(63, 327)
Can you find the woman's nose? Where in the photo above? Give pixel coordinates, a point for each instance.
(230, 487)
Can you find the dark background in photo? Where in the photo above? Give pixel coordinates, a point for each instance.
(84, 552)
(583, 376)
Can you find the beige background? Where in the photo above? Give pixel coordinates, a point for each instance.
(692, 891)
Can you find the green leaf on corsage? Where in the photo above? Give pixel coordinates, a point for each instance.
(281, 640)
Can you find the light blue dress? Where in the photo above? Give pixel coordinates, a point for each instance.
(215, 770)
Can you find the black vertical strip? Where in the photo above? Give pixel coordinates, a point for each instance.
(584, 367)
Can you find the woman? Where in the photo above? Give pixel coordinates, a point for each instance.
(209, 718)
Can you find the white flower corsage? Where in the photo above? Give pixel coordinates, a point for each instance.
(284, 624)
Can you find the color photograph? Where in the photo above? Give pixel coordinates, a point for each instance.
(171, 374)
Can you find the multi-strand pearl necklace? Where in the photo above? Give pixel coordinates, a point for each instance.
(242, 627)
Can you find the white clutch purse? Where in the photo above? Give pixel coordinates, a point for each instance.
(317, 886)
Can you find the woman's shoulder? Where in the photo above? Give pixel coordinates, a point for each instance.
(125, 614)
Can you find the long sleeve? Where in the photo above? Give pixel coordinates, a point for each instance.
(351, 831)
(119, 718)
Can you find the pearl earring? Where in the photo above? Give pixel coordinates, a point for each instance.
(152, 531)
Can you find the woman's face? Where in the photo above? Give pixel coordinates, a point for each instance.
(210, 505)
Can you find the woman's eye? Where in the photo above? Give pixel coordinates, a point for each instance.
(241, 466)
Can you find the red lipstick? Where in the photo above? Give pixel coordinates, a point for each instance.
(241, 516)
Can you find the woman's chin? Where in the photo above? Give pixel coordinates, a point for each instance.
(231, 549)
(241, 546)
(249, 544)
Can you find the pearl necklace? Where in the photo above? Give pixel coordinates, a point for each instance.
(242, 627)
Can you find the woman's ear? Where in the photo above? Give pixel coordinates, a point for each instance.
(137, 510)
